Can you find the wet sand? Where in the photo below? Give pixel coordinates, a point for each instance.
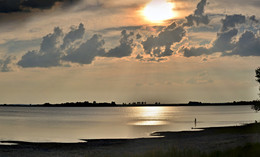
(206, 140)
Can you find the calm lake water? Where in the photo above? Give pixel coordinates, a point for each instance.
(71, 124)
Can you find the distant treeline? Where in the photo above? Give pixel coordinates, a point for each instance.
(134, 104)
(194, 103)
(82, 104)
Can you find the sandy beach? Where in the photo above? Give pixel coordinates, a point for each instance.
(204, 140)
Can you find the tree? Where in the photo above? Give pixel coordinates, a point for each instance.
(256, 105)
(257, 72)
(257, 75)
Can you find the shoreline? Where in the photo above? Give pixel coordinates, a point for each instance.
(134, 104)
(205, 140)
(149, 105)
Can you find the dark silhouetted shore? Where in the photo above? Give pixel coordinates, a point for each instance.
(134, 104)
(203, 140)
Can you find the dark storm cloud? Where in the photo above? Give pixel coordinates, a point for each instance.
(51, 51)
(200, 8)
(50, 41)
(71, 47)
(139, 57)
(247, 45)
(138, 36)
(226, 43)
(73, 35)
(253, 18)
(39, 59)
(223, 43)
(5, 64)
(87, 51)
(9, 6)
(49, 54)
(19, 11)
(125, 48)
(196, 51)
(153, 45)
(198, 17)
(231, 21)
(39, 4)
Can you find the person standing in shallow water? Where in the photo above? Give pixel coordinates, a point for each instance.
(195, 122)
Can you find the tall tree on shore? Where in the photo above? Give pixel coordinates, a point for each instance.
(256, 105)
(257, 72)
(257, 75)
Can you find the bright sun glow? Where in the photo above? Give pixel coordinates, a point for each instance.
(158, 10)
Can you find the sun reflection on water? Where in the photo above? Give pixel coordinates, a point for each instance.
(150, 116)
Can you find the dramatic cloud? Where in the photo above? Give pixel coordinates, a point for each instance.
(39, 59)
(253, 18)
(8, 6)
(196, 51)
(58, 48)
(87, 51)
(48, 55)
(160, 46)
(223, 43)
(125, 48)
(198, 17)
(139, 57)
(44, 4)
(138, 36)
(230, 21)
(226, 43)
(248, 45)
(72, 47)
(73, 35)
(50, 42)
(5, 64)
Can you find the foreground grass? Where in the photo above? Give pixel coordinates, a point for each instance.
(249, 150)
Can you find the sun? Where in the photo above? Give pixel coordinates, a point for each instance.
(157, 11)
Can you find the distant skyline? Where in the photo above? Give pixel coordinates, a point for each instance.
(168, 51)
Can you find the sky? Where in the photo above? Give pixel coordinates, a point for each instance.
(168, 51)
